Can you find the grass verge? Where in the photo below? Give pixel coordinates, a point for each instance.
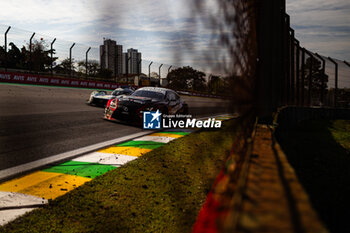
(319, 151)
(160, 192)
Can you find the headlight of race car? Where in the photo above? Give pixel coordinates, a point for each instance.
(113, 104)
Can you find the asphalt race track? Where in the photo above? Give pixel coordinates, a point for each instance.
(37, 122)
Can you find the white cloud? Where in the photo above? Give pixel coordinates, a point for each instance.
(165, 30)
(322, 25)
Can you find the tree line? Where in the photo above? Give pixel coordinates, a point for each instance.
(39, 60)
(184, 78)
(189, 79)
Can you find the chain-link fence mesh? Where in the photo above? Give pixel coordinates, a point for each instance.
(329, 89)
(312, 79)
(330, 80)
(61, 57)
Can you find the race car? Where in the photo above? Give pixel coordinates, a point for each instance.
(100, 98)
(130, 108)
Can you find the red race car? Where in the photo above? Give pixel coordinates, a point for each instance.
(130, 108)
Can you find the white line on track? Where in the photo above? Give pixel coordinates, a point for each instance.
(6, 173)
(13, 205)
(66, 155)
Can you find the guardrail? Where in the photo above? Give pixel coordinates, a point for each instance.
(38, 79)
(193, 93)
(23, 78)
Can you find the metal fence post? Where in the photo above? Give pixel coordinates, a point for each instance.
(292, 65)
(30, 53)
(86, 63)
(336, 81)
(149, 69)
(8, 29)
(167, 76)
(282, 83)
(139, 67)
(272, 37)
(159, 72)
(297, 43)
(52, 55)
(303, 76)
(310, 78)
(70, 60)
(288, 58)
(169, 69)
(127, 69)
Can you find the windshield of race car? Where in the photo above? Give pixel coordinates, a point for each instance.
(117, 93)
(120, 91)
(101, 93)
(149, 94)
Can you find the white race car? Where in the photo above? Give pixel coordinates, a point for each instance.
(100, 98)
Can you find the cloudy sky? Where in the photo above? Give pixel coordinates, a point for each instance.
(163, 30)
(322, 26)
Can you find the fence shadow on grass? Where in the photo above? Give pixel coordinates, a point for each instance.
(322, 166)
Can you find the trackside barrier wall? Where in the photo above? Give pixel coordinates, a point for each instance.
(54, 81)
(25, 78)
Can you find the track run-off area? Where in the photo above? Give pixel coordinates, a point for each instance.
(40, 123)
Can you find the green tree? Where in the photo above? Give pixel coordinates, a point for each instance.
(20, 58)
(317, 77)
(15, 58)
(92, 66)
(186, 78)
(64, 66)
(81, 67)
(154, 75)
(41, 55)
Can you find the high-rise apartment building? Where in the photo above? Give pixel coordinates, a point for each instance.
(124, 62)
(119, 60)
(111, 56)
(134, 63)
